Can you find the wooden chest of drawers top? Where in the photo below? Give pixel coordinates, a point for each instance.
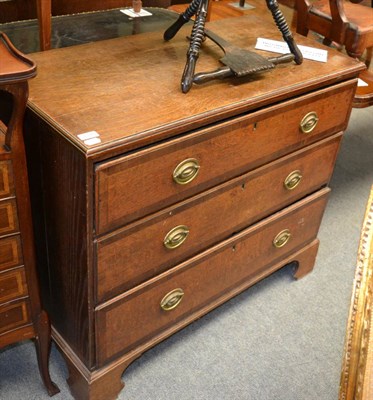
(78, 88)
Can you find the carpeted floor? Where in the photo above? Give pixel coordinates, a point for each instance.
(280, 340)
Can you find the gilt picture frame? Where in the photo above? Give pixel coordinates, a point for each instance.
(357, 367)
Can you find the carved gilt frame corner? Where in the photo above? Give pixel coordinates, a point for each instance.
(356, 378)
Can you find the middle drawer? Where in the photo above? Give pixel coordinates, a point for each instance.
(8, 217)
(12, 284)
(144, 249)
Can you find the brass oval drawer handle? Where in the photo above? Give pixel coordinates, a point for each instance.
(172, 299)
(282, 238)
(176, 237)
(293, 180)
(309, 122)
(186, 171)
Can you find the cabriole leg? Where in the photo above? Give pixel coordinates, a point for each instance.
(43, 344)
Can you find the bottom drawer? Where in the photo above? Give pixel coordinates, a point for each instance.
(14, 315)
(143, 312)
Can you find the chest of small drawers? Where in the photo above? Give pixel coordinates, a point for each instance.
(21, 314)
(153, 207)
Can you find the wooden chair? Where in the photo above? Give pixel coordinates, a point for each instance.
(349, 25)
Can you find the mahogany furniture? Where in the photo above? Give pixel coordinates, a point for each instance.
(153, 207)
(347, 24)
(357, 370)
(21, 314)
(15, 10)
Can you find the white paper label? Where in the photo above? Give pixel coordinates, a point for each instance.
(133, 14)
(360, 82)
(277, 46)
(91, 142)
(88, 135)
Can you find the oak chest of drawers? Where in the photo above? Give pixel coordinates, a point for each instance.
(153, 207)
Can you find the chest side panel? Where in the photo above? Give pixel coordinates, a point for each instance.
(58, 185)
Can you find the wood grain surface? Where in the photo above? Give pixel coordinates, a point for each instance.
(141, 74)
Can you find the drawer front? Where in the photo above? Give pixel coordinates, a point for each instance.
(6, 180)
(139, 252)
(14, 315)
(8, 217)
(12, 285)
(10, 252)
(136, 316)
(146, 181)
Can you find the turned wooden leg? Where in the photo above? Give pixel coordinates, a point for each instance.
(355, 49)
(43, 345)
(306, 259)
(282, 25)
(197, 37)
(201, 9)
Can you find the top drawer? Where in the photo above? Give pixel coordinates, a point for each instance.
(138, 184)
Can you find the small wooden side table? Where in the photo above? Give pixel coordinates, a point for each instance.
(21, 314)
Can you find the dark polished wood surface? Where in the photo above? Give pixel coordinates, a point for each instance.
(72, 30)
(15, 10)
